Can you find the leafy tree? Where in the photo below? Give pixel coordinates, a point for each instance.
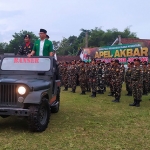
(18, 40)
(3, 45)
(55, 45)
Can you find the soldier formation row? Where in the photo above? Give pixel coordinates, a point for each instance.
(95, 76)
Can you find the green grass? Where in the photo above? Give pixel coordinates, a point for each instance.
(84, 123)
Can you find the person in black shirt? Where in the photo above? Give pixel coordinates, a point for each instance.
(27, 47)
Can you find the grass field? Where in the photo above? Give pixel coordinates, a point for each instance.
(84, 123)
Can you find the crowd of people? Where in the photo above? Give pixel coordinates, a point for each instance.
(97, 75)
(94, 76)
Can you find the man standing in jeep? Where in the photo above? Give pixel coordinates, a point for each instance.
(43, 46)
(27, 47)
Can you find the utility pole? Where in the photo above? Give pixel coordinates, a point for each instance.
(86, 39)
(119, 40)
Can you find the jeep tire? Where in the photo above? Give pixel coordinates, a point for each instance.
(39, 116)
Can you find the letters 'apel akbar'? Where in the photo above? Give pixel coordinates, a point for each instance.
(26, 60)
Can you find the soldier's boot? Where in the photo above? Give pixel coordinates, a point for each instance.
(127, 94)
(105, 89)
(117, 100)
(134, 103)
(66, 89)
(130, 93)
(98, 91)
(138, 103)
(83, 93)
(93, 94)
(102, 91)
(73, 91)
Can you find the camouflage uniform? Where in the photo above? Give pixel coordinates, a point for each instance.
(128, 81)
(117, 82)
(148, 71)
(60, 72)
(65, 77)
(145, 80)
(137, 83)
(87, 72)
(101, 84)
(107, 74)
(69, 76)
(82, 78)
(93, 79)
(112, 81)
(123, 73)
(73, 77)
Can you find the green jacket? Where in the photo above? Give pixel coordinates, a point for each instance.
(48, 47)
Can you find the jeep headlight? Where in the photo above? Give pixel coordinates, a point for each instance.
(21, 90)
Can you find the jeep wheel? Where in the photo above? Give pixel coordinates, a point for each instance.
(39, 117)
(55, 108)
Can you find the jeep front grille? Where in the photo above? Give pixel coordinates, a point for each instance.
(8, 95)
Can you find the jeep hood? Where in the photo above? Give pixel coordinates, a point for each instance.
(36, 84)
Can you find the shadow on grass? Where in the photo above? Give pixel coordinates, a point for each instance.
(13, 123)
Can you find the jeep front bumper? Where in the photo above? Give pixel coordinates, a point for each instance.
(14, 111)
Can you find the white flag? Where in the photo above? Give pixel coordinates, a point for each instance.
(55, 56)
(81, 55)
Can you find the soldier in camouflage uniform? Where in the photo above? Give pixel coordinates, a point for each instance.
(60, 72)
(93, 77)
(107, 74)
(87, 72)
(65, 76)
(73, 74)
(148, 68)
(145, 78)
(117, 81)
(111, 72)
(69, 75)
(100, 84)
(137, 83)
(128, 79)
(27, 47)
(123, 74)
(82, 77)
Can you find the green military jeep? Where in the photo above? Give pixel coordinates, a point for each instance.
(30, 88)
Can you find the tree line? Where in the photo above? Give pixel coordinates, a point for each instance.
(70, 46)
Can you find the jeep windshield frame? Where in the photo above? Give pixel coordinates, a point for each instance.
(25, 65)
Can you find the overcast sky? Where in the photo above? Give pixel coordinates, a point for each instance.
(62, 18)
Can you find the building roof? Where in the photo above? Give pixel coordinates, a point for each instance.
(134, 40)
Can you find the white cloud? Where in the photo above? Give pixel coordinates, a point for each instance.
(63, 18)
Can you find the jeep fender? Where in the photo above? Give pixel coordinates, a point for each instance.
(35, 97)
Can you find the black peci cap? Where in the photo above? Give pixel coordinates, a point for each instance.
(43, 30)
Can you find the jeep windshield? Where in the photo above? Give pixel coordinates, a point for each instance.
(26, 64)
